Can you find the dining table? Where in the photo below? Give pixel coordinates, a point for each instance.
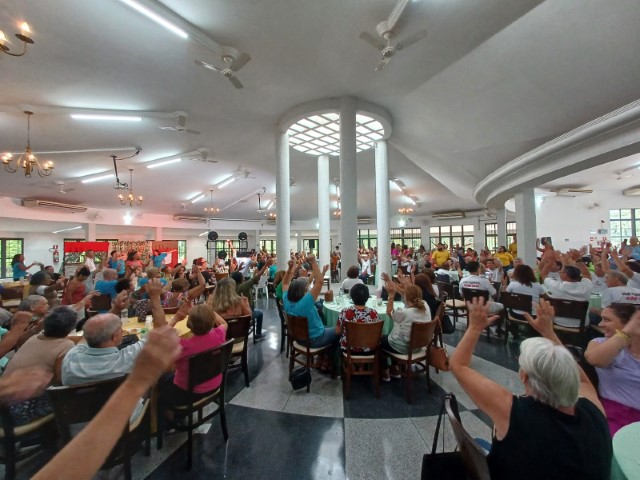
(331, 311)
(133, 326)
(625, 464)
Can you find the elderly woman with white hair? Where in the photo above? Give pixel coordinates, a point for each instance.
(557, 429)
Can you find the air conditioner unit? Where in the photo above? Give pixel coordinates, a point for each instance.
(572, 192)
(448, 215)
(186, 218)
(33, 203)
(363, 220)
(631, 192)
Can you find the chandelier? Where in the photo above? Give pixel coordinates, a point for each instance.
(28, 161)
(23, 36)
(211, 209)
(131, 198)
(405, 210)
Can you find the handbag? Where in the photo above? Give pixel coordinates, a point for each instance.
(300, 378)
(447, 325)
(438, 356)
(442, 465)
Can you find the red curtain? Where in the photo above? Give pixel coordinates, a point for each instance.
(79, 247)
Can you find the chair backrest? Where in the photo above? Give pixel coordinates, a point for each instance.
(516, 301)
(238, 328)
(298, 327)
(280, 308)
(473, 456)
(101, 302)
(170, 310)
(470, 293)
(422, 334)
(262, 283)
(440, 310)
(570, 309)
(363, 335)
(209, 364)
(220, 276)
(443, 278)
(12, 293)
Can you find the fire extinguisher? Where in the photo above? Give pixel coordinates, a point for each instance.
(56, 255)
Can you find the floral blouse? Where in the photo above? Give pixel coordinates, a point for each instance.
(355, 314)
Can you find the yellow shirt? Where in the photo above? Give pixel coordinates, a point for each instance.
(513, 249)
(505, 258)
(439, 257)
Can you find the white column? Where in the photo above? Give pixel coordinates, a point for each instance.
(526, 225)
(382, 209)
(90, 232)
(283, 208)
(324, 213)
(158, 234)
(501, 219)
(299, 242)
(257, 240)
(348, 184)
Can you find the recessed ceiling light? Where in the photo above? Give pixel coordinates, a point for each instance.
(203, 234)
(164, 162)
(97, 178)
(156, 18)
(116, 118)
(226, 182)
(67, 229)
(197, 198)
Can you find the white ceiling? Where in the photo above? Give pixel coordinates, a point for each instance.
(492, 80)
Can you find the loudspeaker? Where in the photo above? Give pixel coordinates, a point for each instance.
(312, 244)
(242, 236)
(213, 236)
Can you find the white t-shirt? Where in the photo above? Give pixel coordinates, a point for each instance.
(477, 282)
(366, 267)
(453, 274)
(348, 283)
(599, 284)
(535, 289)
(580, 291)
(90, 264)
(622, 294)
(634, 282)
(400, 335)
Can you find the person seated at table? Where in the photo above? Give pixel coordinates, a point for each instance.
(428, 293)
(209, 330)
(416, 310)
(41, 283)
(298, 300)
(180, 291)
(74, 292)
(616, 357)
(495, 270)
(107, 286)
(358, 312)
(476, 282)
(36, 305)
(351, 280)
(448, 270)
(516, 262)
(226, 302)
(557, 429)
(525, 282)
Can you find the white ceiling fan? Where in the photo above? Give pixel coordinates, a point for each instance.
(243, 172)
(233, 62)
(385, 31)
(202, 155)
(180, 126)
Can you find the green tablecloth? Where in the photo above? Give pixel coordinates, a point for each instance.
(625, 464)
(332, 310)
(595, 301)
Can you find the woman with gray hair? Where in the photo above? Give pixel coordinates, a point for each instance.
(557, 429)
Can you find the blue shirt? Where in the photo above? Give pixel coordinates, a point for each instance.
(18, 273)
(117, 265)
(107, 287)
(273, 269)
(145, 280)
(305, 307)
(158, 259)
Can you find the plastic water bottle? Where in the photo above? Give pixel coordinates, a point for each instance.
(148, 326)
(124, 316)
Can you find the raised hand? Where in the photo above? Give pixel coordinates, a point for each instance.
(543, 324)
(23, 383)
(478, 312)
(154, 287)
(160, 351)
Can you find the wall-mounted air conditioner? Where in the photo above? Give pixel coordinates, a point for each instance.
(186, 218)
(62, 207)
(573, 192)
(632, 191)
(363, 220)
(448, 215)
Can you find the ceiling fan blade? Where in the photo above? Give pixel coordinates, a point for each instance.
(373, 41)
(420, 34)
(240, 62)
(188, 130)
(383, 63)
(208, 66)
(235, 82)
(167, 127)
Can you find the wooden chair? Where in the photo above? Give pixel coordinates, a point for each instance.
(361, 335)
(283, 327)
(79, 404)
(220, 276)
(515, 301)
(456, 306)
(99, 302)
(298, 333)
(11, 435)
(419, 349)
(10, 298)
(474, 457)
(202, 367)
(238, 331)
(170, 310)
(571, 309)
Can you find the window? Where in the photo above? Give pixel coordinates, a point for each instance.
(73, 257)
(624, 223)
(268, 245)
(310, 245)
(368, 238)
(8, 248)
(511, 232)
(182, 250)
(451, 235)
(219, 245)
(410, 237)
(491, 236)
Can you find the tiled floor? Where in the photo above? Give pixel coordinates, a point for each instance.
(276, 433)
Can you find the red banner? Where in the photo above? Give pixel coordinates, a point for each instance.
(79, 247)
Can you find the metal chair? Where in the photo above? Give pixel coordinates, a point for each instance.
(361, 335)
(238, 329)
(202, 367)
(298, 333)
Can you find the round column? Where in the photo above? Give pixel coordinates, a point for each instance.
(348, 184)
(283, 207)
(324, 214)
(382, 209)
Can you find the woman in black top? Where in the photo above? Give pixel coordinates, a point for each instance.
(428, 294)
(557, 430)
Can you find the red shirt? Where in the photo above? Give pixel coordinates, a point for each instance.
(191, 346)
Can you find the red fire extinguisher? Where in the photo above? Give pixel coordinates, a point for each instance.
(56, 255)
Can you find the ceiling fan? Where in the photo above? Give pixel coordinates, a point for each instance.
(202, 155)
(233, 61)
(243, 172)
(385, 31)
(61, 188)
(180, 126)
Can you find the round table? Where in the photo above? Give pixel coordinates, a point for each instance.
(625, 463)
(135, 327)
(332, 310)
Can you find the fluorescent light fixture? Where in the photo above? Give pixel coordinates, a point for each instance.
(270, 204)
(67, 229)
(227, 182)
(117, 118)
(198, 198)
(397, 183)
(97, 178)
(410, 200)
(164, 162)
(203, 234)
(156, 18)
